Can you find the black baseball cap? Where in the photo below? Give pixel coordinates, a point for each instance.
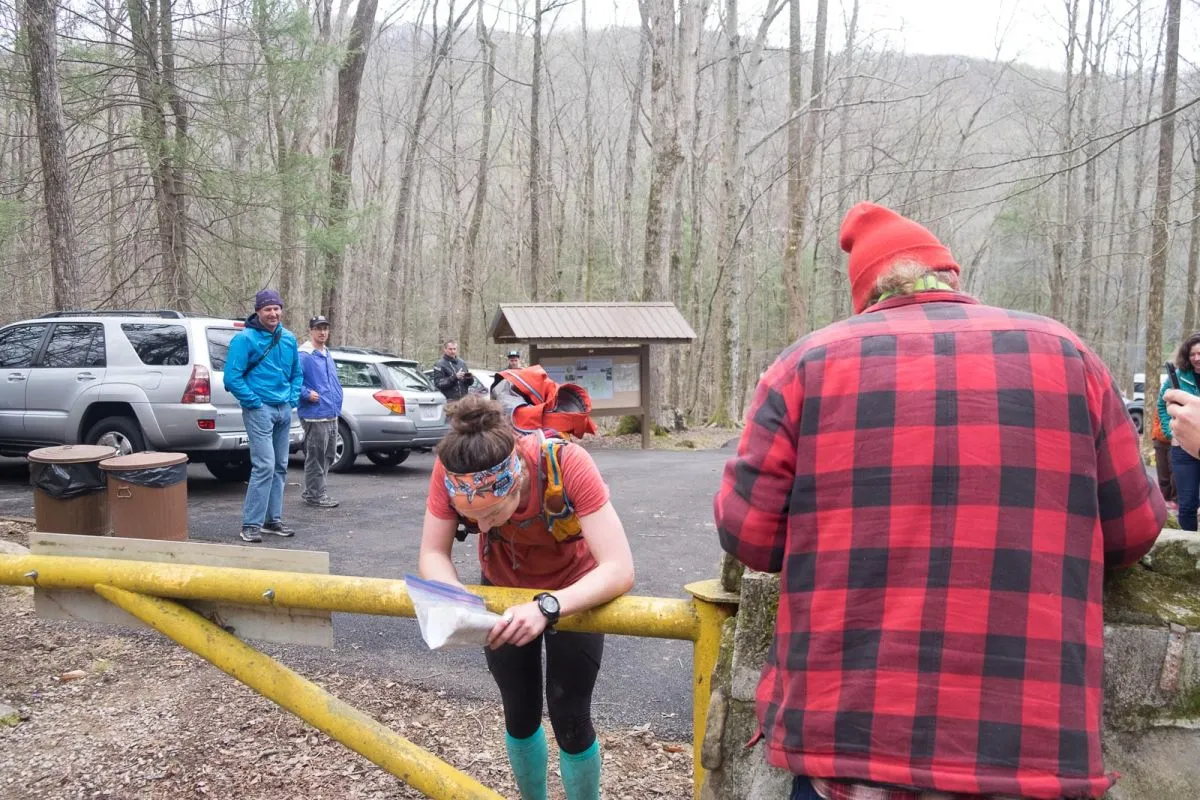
(319, 319)
(514, 353)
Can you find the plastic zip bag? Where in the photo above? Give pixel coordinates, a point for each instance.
(448, 615)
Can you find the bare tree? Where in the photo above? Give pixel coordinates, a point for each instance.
(665, 157)
(1160, 237)
(341, 160)
(535, 156)
(1193, 259)
(471, 260)
(39, 16)
(154, 63)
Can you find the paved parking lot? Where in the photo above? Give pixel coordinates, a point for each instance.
(664, 499)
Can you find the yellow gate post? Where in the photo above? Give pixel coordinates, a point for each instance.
(418, 768)
(714, 605)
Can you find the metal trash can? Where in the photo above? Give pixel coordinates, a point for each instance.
(68, 489)
(147, 495)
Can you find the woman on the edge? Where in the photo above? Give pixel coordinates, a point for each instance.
(496, 481)
(1184, 467)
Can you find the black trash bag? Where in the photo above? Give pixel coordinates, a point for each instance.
(154, 477)
(64, 481)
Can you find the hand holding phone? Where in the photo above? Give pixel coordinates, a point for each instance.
(1172, 376)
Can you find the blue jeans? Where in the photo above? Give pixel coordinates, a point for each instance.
(802, 789)
(267, 430)
(1187, 486)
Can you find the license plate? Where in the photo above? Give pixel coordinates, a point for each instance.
(431, 412)
(243, 441)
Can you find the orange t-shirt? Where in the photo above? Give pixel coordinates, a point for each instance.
(522, 552)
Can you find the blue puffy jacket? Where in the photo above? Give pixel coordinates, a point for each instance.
(276, 379)
(320, 376)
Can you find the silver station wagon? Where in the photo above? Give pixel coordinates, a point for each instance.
(389, 409)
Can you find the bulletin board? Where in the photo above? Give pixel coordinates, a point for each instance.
(613, 376)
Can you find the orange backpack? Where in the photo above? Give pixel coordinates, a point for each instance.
(536, 403)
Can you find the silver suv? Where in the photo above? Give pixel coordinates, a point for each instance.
(136, 380)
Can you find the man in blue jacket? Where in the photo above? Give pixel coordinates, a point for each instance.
(262, 370)
(320, 404)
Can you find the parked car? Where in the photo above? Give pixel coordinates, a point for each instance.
(135, 380)
(389, 409)
(1136, 409)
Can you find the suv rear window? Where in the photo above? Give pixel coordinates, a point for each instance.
(158, 345)
(218, 346)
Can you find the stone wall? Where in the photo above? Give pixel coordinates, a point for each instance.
(1151, 681)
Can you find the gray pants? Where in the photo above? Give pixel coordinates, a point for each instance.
(320, 440)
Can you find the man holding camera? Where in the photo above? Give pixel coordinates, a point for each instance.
(450, 373)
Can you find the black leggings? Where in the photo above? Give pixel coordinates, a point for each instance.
(572, 663)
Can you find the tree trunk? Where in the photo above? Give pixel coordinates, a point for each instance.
(728, 253)
(1160, 236)
(665, 161)
(341, 160)
(1193, 259)
(589, 164)
(628, 285)
(154, 86)
(801, 161)
(39, 19)
(535, 156)
(470, 263)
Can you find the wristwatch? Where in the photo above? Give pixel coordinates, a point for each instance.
(548, 605)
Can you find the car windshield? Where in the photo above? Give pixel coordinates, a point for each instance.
(406, 377)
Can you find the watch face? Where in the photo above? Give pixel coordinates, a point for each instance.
(549, 603)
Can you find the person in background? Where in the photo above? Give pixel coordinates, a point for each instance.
(1184, 466)
(320, 405)
(941, 485)
(262, 370)
(494, 480)
(514, 359)
(450, 373)
(1162, 455)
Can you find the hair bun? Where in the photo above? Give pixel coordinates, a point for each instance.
(474, 415)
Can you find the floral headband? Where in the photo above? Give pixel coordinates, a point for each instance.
(497, 481)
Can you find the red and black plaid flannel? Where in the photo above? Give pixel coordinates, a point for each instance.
(941, 485)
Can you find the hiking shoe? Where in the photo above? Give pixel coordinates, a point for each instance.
(251, 533)
(322, 502)
(278, 528)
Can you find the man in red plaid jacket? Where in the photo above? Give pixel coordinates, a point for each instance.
(941, 485)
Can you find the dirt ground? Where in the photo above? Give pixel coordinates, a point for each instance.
(132, 715)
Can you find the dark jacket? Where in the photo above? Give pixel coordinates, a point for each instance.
(445, 377)
(320, 376)
(941, 485)
(276, 379)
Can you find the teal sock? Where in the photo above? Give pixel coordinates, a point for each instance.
(528, 759)
(581, 772)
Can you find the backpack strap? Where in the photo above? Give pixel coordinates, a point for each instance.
(560, 517)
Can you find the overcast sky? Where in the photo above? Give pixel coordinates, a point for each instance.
(1031, 31)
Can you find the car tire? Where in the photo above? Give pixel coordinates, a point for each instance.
(344, 456)
(388, 458)
(229, 471)
(122, 433)
(1136, 416)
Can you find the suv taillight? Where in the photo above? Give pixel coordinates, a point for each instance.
(199, 389)
(390, 398)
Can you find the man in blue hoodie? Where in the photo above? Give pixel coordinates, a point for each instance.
(320, 404)
(262, 370)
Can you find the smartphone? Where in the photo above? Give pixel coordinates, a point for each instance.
(1171, 376)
